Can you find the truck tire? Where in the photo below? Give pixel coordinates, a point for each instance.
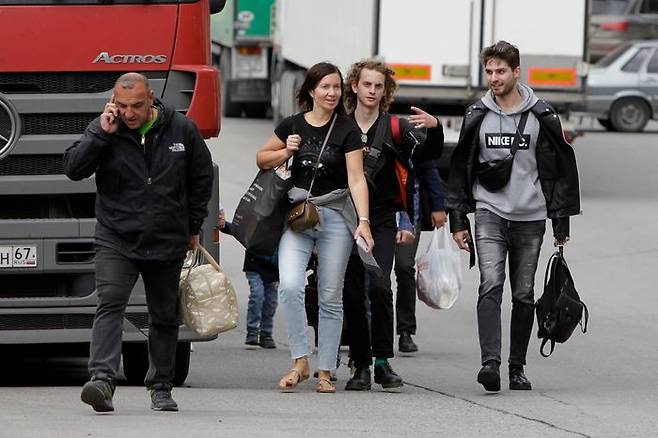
(136, 362)
(256, 110)
(229, 108)
(629, 114)
(606, 124)
(286, 104)
(182, 368)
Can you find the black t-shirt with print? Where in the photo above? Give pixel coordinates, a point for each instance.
(385, 192)
(332, 172)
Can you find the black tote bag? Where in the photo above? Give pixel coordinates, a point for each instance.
(262, 212)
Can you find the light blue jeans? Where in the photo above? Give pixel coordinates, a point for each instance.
(334, 243)
(262, 304)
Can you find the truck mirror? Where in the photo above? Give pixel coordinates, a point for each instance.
(217, 6)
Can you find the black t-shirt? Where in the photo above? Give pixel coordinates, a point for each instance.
(332, 172)
(385, 193)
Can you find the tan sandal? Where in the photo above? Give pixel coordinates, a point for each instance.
(324, 386)
(293, 378)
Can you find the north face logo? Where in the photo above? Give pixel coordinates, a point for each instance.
(177, 147)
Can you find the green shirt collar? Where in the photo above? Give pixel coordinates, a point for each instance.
(146, 127)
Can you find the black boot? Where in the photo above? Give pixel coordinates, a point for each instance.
(360, 381)
(98, 393)
(252, 338)
(161, 398)
(385, 376)
(489, 376)
(517, 379)
(523, 317)
(406, 344)
(266, 341)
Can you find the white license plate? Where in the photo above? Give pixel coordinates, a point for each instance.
(18, 256)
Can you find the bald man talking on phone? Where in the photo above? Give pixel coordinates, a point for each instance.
(154, 180)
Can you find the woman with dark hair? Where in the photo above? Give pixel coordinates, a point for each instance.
(331, 175)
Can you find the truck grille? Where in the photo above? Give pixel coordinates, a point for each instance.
(50, 83)
(24, 286)
(32, 165)
(59, 206)
(139, 320)
(50, 124)
(46, 322)
(75, 253)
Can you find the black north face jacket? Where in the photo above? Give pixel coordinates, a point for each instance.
(556, 165)
(150, 197)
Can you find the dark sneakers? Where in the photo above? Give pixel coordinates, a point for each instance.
(406, 344)
(98, 393)
(517, 379)
(266, 341)
(489, 376)
(360, 381)
(385, 376)
(252, 339)
(161, 398)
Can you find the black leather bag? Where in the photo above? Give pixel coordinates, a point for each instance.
(261, 214)
(495, 174)
(560, 309)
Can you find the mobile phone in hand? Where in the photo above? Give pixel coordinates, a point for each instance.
(361, 243)
(116, 116)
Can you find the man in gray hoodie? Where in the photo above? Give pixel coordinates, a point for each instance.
(513, 168)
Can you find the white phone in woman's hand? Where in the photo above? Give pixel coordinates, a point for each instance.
(361, 243)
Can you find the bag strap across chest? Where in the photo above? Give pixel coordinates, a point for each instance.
(371, 162)
(317, 163)
(519, 133)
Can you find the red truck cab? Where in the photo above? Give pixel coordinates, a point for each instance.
(59, 60)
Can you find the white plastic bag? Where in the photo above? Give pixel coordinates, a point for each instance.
(208, 303)
(438, 271)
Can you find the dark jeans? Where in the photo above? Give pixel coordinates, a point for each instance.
(115, 277)
(378, 341)
(405, 273)
(495, 237)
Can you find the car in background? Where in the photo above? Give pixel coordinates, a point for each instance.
(614, 22)
(622, 88)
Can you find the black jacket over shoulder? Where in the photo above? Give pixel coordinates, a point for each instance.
(149, 197)
(556, 165)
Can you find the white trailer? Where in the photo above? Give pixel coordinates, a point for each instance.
(433, 45)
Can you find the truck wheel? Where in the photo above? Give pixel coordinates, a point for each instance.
(606, 124)
(182, 363)
(629, 114)
(288, 86)
(136, 362)
(256, 110)
(229, 108)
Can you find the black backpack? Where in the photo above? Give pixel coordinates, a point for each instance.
(560, 309)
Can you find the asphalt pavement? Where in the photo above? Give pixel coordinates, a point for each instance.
(598, 384)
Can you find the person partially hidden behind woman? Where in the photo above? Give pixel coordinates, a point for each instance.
(327, 174)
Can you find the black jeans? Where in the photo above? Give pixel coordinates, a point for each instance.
(495, 237)
(115, 277)
(405, 273)
(378, 341)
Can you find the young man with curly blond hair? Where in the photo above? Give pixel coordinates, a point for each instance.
(389, 162)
